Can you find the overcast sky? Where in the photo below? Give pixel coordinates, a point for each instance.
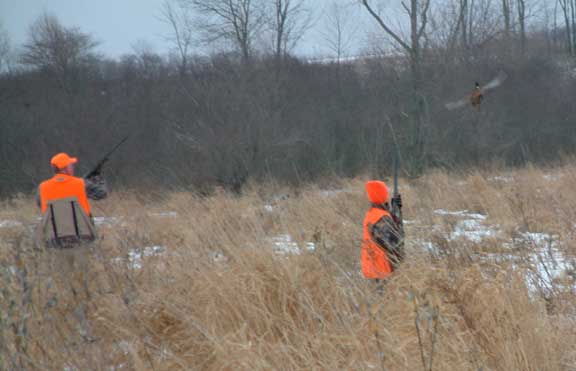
(119, 24)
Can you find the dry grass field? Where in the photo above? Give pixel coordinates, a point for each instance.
(271, 281)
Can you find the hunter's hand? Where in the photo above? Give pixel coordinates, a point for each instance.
(397, 201)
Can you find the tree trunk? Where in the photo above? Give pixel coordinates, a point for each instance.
(507, 19)
(566, 11)
(521, 7)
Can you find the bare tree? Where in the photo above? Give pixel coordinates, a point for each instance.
(521, 9)
(417, 13)
(339, 31)
(418, 17)
(4, 49)
(235, 21)
(567, 10)
(148, 62)
(572, 6)
(53, 47)
(463, 22)
(479, 23)
(291, 19)
(179, 19)
(451, 26)
(507, 17)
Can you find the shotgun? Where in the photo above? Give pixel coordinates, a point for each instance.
(96, 170)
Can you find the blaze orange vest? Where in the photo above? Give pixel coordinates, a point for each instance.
(375, 263)
(63, 186)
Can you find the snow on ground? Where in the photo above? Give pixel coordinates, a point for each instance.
(269, 208)
(541, 249)
(107, 220)
(502, 178)
(10, 224)
(470, 227)
(135, 257)
(461, 213)
(164, 214)
(327, 193)
(120, 220)
(473, 230)
(548, 261)
(284, 244)
(553, 177)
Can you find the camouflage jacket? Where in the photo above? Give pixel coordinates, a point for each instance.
(388, 233)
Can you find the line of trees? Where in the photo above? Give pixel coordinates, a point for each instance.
(252, 110)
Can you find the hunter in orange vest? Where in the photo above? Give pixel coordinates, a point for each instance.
(64, 184)
(383, 237)
(63, 199)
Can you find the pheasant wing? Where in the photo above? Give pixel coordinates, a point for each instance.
(458, 104)
(496, 82)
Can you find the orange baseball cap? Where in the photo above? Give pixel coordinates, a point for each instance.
(62, 160)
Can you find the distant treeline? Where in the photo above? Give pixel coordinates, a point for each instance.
(228, 118)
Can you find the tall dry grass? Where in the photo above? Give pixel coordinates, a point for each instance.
(220, 297)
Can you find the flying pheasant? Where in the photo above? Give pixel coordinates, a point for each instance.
(477, 95)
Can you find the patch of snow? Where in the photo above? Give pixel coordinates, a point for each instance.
(121, 366)
(472, 230)
(471, 227)
(332, 192)
(461, 213)
(135, 255)
(10, 223)
(426, 245)
(107, 220)
(269, 208)
(549, 262)
(539, 252)
(502, 178)
(553, 177)
(310, 246)
(165, 214)
(539, 239)
(218, 256)
(283, 244)
(281, 197)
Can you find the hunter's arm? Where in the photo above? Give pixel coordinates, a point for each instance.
(96, 188)
(388, 234)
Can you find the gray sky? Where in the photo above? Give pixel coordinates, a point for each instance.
(117, 24)
(120, 24)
